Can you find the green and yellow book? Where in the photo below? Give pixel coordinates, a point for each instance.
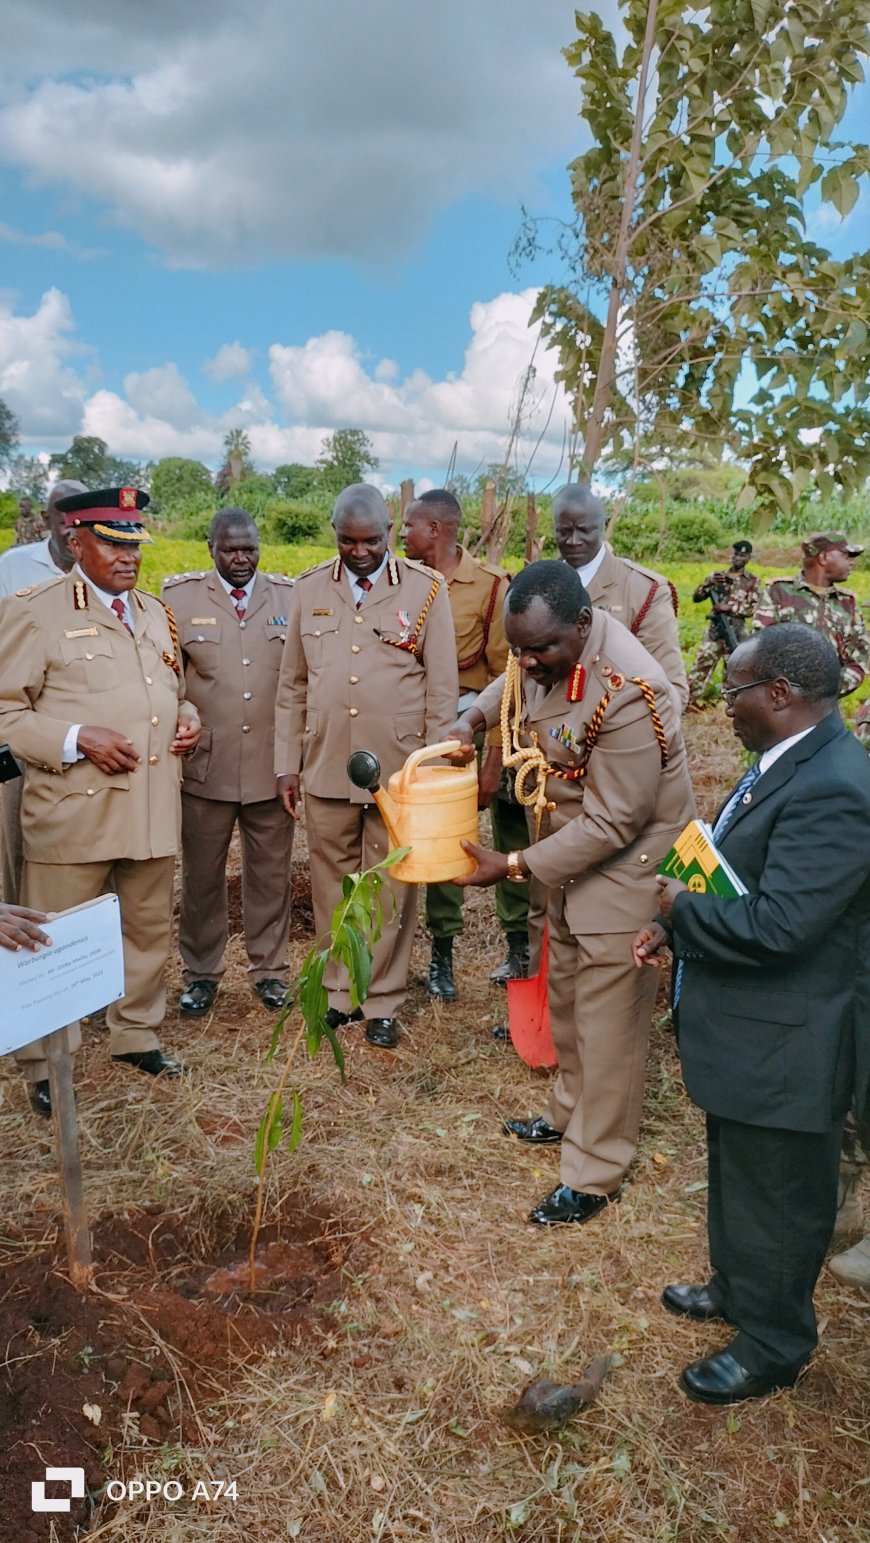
(693, 858)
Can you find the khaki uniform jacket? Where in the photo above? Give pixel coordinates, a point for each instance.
(65, 658)
(345, 684)
(231, 675)
(608, 832)
(477, 592)
(622, 588)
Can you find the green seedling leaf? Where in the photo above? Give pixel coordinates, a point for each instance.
(295, 1135)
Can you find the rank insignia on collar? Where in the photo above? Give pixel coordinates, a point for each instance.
(336, 569)
(80, 596)
(576, 684)
(393, 575)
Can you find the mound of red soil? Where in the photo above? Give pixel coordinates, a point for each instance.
(168, 1317)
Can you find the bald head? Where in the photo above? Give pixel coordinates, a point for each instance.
(362, 528)
(363, 500)
(58, 532)
(579, 519)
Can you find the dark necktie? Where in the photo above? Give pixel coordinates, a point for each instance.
(365, 585)
(747, 781)
(241, 600)
(118, 608)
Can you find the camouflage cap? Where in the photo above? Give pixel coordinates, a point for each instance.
(824, 540)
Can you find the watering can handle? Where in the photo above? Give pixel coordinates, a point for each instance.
(428, 753)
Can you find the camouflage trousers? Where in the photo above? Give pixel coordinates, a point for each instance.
(709, 654)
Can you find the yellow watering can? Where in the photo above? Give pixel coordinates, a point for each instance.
(426, 808)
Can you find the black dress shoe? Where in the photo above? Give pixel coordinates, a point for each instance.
(39, 1094)
(154, 1062)
(383, 1032)
(197, 998)
(441, 983)
(533, 1130)
(692, 1302)
(272, 994)
(568, 1205)
(720, 1379)
(337, 1020)
(516, 965)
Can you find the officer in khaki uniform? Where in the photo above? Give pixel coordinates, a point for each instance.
(644, 601)
(92, 699)
(593, 735)
(232, 623)
(369, 664)
(476, 592)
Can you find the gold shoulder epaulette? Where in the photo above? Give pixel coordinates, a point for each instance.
(645, 573)
(182, 578)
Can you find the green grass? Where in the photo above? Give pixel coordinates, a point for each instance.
(169, 556)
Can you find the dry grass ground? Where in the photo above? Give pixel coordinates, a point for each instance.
(373, 1410)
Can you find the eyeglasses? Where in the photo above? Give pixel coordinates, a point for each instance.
(730, 692)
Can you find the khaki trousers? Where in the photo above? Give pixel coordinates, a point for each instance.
(601, 1009)
(144, 890)
(13, 853)
(266, 833)
(346, 838)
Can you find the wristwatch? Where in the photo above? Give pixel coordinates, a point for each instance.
(514, 872)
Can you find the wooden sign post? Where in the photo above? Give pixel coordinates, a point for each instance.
(63, 1110)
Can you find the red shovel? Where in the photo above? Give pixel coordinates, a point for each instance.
(529, 1014)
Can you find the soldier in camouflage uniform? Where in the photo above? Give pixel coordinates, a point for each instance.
(813, 596)
(30, 525)
(742, 592)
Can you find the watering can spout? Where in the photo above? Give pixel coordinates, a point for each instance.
(364, 771)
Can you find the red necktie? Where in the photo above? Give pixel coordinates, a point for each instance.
(365, 585)
(240, 596)
(118, 608)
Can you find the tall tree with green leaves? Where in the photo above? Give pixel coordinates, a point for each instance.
(8, 434)
(88, 460)
(344, 458)
(724, 323)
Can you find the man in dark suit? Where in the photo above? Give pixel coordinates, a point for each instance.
(765, 988)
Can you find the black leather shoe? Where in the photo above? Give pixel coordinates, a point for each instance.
(272, 994)
(383, 1032)
(197, 998)
(533, 1130)
(39, 1094)
(337, 1020)
(154, 1062)
(692, 1302)
(568, 1205)
(720, 1379)
(441, 983)
(516, 965)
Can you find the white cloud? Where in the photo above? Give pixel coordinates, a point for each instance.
(316, 386)
(281, 129)
(231, 362)
(37, 378)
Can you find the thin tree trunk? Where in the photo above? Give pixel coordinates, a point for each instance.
(607, 360)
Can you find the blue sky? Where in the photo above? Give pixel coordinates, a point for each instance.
(286, 217)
